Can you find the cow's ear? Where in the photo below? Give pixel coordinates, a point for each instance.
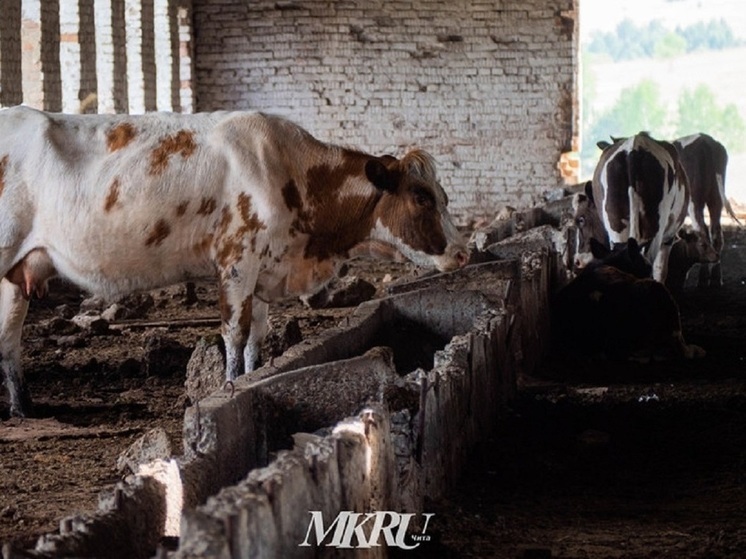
(589, 191)
(578, 199)
(603, 144)
(381, 177)
(598, 249)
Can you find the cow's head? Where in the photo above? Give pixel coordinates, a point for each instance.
(412, 212)
(588, 226)
(626, 257)
(689, 249)
(696, 247)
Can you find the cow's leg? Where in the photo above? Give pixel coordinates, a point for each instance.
(259, 330)
(236, 309)
(660, 265)
(13, 308)
(704, 275)
(716, 274)
(698, 224)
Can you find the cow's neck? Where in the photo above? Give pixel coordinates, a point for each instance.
(338, 212)
(334, 209)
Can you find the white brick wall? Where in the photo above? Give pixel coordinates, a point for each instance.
(486, 86)
(70, 62)
(11, 63)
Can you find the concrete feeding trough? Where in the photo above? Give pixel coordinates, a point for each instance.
(377, 431)
(376, 414)
(228, 434)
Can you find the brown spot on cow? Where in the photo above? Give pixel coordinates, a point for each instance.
(180, 143)
(158, 234)
(207, 206)
(3, 168)
(221, 228)
(203, 245)
(326, 213)
(181, 209)
(226, 311)
(230, 244)
(291, 195)
(244, 319)
(251, 221)
(119, 136)
(113, 196)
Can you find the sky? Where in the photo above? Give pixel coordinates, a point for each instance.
(603, 15)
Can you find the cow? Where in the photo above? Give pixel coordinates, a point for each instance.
(705, 161)
(588, 226)
(612, 308)
(687, 251)
(640, 191)
(627, 257)
(122, 203)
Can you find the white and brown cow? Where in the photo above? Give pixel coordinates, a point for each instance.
(119, 203)
(705, 161)
(640, 191)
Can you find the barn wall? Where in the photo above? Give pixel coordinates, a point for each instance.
(107, 56)
(487, 86)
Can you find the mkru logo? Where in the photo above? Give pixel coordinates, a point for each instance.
(351, 530)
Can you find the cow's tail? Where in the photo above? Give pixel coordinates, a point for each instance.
(632, 186)
(726, 204)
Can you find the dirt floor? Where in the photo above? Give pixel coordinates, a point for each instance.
(596, 459)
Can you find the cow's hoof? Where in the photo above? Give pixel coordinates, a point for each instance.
(20, 412)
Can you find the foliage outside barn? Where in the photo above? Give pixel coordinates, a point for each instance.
(642, 58)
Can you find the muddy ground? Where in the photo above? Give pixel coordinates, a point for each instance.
(595, 459)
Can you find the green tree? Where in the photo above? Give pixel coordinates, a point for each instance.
(698, 111)
(670, 45)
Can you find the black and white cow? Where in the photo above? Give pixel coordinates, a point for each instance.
(705, 161)
(640, 191)
(118, 203)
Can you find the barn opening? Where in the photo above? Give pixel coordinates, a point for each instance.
(671, 68)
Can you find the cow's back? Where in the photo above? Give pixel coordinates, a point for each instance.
(124, 202)
(645, 173)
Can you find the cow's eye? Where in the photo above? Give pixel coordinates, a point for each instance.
(423, 197)
(580, 221)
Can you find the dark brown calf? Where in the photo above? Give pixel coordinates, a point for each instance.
(608, 312)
